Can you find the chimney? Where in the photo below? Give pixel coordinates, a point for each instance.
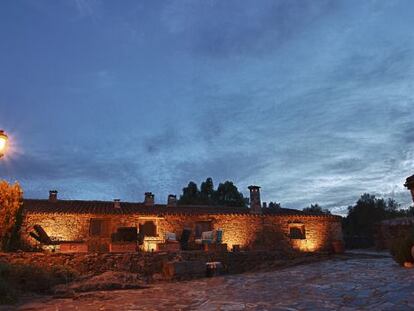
(264, 205)
(53, 196)
(409, 184)
(172, 200)
(255, 204)
(117, 203)
(149, 199)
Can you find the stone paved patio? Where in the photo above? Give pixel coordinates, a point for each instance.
(355, 284)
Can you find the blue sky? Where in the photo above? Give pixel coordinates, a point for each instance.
(312, 100)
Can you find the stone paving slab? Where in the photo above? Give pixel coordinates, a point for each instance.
(355, 284)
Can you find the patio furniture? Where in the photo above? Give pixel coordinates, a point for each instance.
(185, 237)
(206, 238)
(41, 236)
(170, 237)
(171, 244)
(211, 237)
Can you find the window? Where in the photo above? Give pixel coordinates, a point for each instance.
(202, 226)
(100, 227)
(297, 231)
(148, 228)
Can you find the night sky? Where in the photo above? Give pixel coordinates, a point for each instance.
(312, 100)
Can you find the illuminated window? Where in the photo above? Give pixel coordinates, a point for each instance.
(297, 231)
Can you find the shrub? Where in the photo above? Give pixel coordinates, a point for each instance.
(10, 215)
(20, 278)
(401, 248)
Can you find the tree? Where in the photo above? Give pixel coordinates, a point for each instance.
(410, 211)
(274, 205)
(190, 195)
(366, 213)
(316, 209)
(226, 194)
(10, 213)
(207, 191)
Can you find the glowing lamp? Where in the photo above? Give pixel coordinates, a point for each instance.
(3, 143)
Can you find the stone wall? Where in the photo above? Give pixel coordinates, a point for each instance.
(246, 230)
(145, 264)
(389, 231)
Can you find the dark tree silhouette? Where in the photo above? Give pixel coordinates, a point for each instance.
(226, 194)
(207, 191)
(316, 209)
(274, 205)
(190, 195)
(366, 213)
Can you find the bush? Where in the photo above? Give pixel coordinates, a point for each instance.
(20, 278)
(10, 215)
(401, 249)
(7, 291)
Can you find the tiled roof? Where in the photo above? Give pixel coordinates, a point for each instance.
(107, 207)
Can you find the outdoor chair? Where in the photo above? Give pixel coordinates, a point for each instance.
(170, 237)
(211, 237)
(185, 237)
(206, 238)
(41, 236)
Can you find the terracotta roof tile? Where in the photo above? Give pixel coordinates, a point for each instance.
(107, 207)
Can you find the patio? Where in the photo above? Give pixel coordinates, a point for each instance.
(364, 282)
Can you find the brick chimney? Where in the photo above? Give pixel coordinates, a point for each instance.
(255, 204)
(53, 196)
(117, 203)
(149, 199)
(172, 200)
(409, 183)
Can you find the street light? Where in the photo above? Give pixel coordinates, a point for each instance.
(3, 143)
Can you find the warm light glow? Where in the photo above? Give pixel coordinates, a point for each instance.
(305, 245)
(3, 143)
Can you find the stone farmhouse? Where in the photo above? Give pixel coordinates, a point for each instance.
(90, 226)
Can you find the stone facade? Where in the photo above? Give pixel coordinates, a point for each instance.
(94, 223)
(245, 230)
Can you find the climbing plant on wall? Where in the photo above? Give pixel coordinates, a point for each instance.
(10, 213)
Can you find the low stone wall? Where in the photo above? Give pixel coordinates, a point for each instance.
(389, 231)
(147, 265)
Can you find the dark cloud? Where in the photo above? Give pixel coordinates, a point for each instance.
(226, 28)
(311, 100)
(165, 141)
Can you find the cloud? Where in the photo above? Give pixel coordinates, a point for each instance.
(312, 101)
(87, 8)
(240, 29)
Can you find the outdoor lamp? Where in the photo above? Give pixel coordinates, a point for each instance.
(3, 143)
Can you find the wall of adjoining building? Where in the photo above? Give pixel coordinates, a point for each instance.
(246, 230)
